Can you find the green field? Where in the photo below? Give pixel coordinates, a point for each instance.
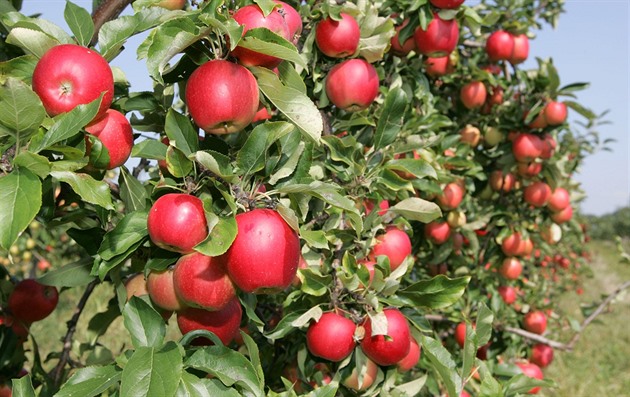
(598, 366)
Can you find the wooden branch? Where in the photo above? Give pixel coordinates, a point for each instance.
(57, 372)
(536, 338)
(106, 11)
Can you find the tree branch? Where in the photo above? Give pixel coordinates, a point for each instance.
(57, 372)
(106, 11)
(536, 338)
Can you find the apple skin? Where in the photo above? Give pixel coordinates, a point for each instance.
(394, 244)
(293, 20)
(456, 219)
(562, 216)
(541, 355)
(492, 136)
(172, 4)
(338, 39)
(521, 49)
(68, 75)
(511, 268)
(529, 170)
(370, 373)
(393, 348)
(6, 390)
(446, 4)
(331, 327)
(222, 97)
(161, 290)
(452, 195)
(438, 66)
(559, 200)
(460, 334)
(440, 38)
(411, 359)
(264, 256)
(555, 112)
(470, 135)
(535, 321)
(136, 285)
(402, 49)
(225, 323)
(537, 194)
(116, 134)
(177, 222)
(527, 147)
(500, 46)
(31, 301)
(549, 147)
(250, 17)
(352, 85)
(437, 231)
(533, 371)
(508, 294)
(473, 95)
(202, 281)
(512, 244)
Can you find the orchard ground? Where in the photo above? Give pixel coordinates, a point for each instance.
(598, 366)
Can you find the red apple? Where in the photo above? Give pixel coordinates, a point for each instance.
(563, 216)
(202, 281)
(338, 39)
(511, 268)
(521, 49)
(500, 182)
(250, 17)
(369, 372)
(438, 66)
(177, 222)
(394, 244)
(452, 195)
(332, 337)
(222, 97)
(68, 75)
(473, 95)
(31, 301)
(43, 265)
(508, 294)
(529, 170)
(6, 390)
(549, 147)
(538, 121)
(437, 231)
(555, 113)
(537, 194)
(559, 199)
(114, 131)
(225, 323)
(402, 49)
(136, 285)
(265, 254)
(541, 355)
(352, 85)
(390, 349)
(527, 147)
(500, 46)
(470, 135)
(383, 206)
(293, 19)
(440, 38)
(446, 4)
(411, 359)
(512, 245)
(460, 333)
(172, 4)
(535, 321)
(161, 290)
(532, 371)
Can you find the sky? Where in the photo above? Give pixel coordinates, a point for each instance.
(590, 44)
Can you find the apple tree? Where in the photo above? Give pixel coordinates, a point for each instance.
(316, 198)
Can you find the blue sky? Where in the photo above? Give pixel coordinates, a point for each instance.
(590, 44)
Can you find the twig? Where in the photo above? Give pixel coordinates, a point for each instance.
(57, 372)
(536, 338)
(106, 11)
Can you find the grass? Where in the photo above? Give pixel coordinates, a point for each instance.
(600, 362)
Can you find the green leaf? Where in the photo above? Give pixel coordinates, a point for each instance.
(80, 23)
(437, 293)
(145, 325)
(264, 41)
(132, 192)
(90, 239)
(75, 274)
(229, 366)
(177, 163)
(442, 361)
(20, 200)
(221, 236)
(21, 110)
(35, 163)
(314, 283)
(230, 28)
(315, 238)
(22, 387)
(99, 154)
(191, 386)
(90, 190)
(149, 149)
(522, 384)
(152, 372)
(181, 132)
(418, 167)
(252, 157)
(285, 326)
(129, 231)
(295, 105)
(417, 209)
(413, 387)
(31, 41)
(485, 317)
(217, 163)
(470, 349)
(581, 109)
(391, 119)
(20, 68)
(90, 381)
(67, 125)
